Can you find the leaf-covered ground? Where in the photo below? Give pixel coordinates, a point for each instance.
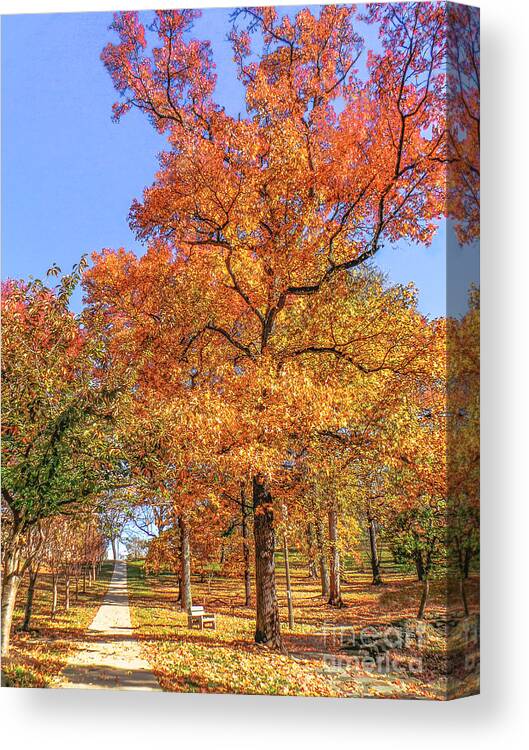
(37, 657)
(315, 662)
(220, 661)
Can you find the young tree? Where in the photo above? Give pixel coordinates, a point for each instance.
(35, 541)
(463, 450)
(419, 530)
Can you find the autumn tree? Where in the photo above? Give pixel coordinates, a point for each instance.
(463, 203)
(369, 493)
(463, 449)
(57, 412)
(250, 223)
(420, 486)
(171, 476)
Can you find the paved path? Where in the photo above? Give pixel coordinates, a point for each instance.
(110, 657)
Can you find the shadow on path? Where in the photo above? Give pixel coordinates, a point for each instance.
(107, 661)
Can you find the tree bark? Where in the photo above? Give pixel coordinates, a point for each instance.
(12, 575)
(267, 628)
(246, 550)
(335, 594)
(114, 550)
(33, 573)
(10, 587)
(185, 563)
(424, 598)
(466, 563)
(179, 584)
(67, 591)
(9, 594)
(419, 565)
(55, 593)
(324, 570)
(375, 563)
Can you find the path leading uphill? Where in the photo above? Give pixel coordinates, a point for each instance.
(110, 657)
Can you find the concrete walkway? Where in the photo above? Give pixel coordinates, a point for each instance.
(110, 657)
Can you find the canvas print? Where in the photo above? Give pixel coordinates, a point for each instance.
(240, 350)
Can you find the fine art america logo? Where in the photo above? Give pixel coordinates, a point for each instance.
(372, 649)
(394, 648)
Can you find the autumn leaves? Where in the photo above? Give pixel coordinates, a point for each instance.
(252, 364)
(262, 357)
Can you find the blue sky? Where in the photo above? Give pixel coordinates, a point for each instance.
(69, 174)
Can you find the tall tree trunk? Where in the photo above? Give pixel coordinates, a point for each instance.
(289, 584)
(12, 575)
(267, 628)
(335, 594)
(33, 573)
(10, 587)
(114, 550)
(324, 570)
(424, 598)
(185, 563)
(179, 586)
(55, 593)
(246, 550)
(67, 591)
(84, 579)
(94, 572)
(466, 562)
(310, 551)
(176, 561)
(375, 563)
